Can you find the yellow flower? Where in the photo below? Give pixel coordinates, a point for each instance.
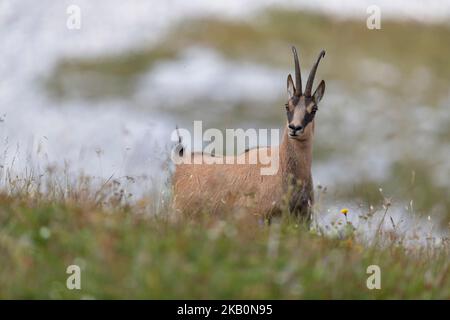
(344, 211)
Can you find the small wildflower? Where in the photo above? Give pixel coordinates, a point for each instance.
(344, 211)
(44, 232)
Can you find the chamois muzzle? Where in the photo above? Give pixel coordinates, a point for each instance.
(295, 129)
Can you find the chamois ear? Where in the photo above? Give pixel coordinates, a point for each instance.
(290, 87)
(318, 94)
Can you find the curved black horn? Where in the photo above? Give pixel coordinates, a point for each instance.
(312, 75)
(298, 75)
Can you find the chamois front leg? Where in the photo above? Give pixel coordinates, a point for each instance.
(301, 202)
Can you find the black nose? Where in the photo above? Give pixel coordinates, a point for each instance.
(295, 128)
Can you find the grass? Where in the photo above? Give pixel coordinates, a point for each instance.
(116, 80)
(130, 250)
(136, 249)
(347, 43)
(266, 38)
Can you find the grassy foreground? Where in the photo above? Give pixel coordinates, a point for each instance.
(126, 253)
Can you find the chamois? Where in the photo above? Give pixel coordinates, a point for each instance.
(222, 187)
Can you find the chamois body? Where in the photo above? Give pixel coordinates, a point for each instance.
(216, 188)
(224, 187)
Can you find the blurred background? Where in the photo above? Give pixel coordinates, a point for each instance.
(103, 100)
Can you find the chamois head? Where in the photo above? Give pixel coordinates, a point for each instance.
(302, 106)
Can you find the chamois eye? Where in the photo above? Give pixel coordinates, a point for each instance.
(286, 106)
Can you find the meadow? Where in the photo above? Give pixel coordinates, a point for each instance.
(84, 178)
(141, 250)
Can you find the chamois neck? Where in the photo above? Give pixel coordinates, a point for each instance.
(296, 157)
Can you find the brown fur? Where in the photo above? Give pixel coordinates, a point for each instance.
(222, 187)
